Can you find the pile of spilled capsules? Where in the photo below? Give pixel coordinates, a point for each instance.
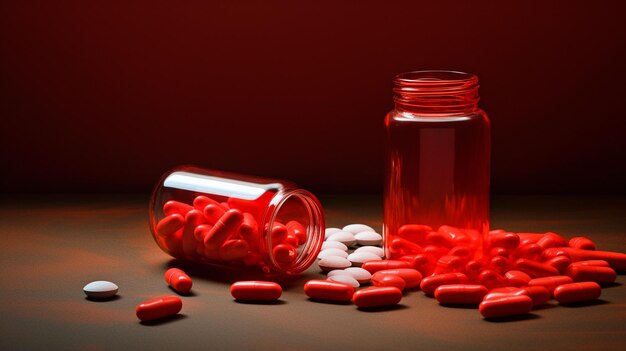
(518, 272)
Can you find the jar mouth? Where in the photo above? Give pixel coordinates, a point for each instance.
(296, 203)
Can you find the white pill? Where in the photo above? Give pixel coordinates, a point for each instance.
(100, 289)
(330, 231)
(332, 252)
(356, 228)
(373, 249)
(345, 278)
(345, 238)
(361, 275)
(334, 245)
(358, 258)
(368, 238)
(337, 272)
(333, 262)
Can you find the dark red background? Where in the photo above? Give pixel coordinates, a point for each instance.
(107, 96)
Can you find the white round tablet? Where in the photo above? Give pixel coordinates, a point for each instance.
(358, 258)
(333, 262)
(330, 231)
(100, 289)
(345, 238)
(368, 238)
(332, 252)
(373, 249)
(355, 228)
(334, 245)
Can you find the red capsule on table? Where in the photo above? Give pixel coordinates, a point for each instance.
(158, 308)
(328, 290)
(551, 283)
(178, 280)
(388, 280)
(586, 273)
(412, 277)
(597, 263)
(534, 269)
(551, 240)
(517, 278)
(539, 294)
(460, 293)
(255, 290)
(580, 242)
(559, 262)
(377, 297)
(616, 260)
(375, 266)
(577, 292)
(506, 306)
(429, 284)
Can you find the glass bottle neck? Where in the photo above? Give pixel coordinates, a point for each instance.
(436, 93)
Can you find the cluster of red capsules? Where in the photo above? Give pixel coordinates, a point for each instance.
(225, 232)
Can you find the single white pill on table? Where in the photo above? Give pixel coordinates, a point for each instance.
(334, 245)
(100, 289)
(345, 278)
(338, 272)
(368, 238)
(345, 238)
(356, 228)
(333, 262)
(373, 249)
(358, 258)
(332, 252)
(361, 275)
(330, 231)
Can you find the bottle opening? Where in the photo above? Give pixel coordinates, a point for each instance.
(294, 229)
(436, 92)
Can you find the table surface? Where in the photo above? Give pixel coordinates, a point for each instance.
(52, 246)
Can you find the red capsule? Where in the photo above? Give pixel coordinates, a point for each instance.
(419, 262)
(404, 247)
(461, 251)
(528, 251)
(412, 277)
(506, 240)
(506, 306)
(249, 230)
(193, 219)
(429, 284)
(499, 251)
(388, 280)
(377, 297)
(539, 294)
(491, 279)
(597, 263)
(497, 293)
(585, 273)
(551, 240)
(284, 254)
(297, 229)
(449, 264)
(375, 266)
(499, 264)
(551, 283)
(171, 207)
(580, 242)
(213, 213)
(232, 250)
(224, 228)
(577, 292)
(328, 290)
(254, 290)
(472, 269)
(617, 260)
(559, 262)
(460, 294)
(158, 308)
(414, 232)
(517, 278)
(529, 238)
(535, 269)
(170, 224)
(200, 202)
(279, 233)
(178, 280)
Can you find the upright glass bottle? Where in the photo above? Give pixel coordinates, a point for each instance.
(437, 168)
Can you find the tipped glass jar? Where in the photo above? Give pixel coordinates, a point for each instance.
(437, 168)
(236, 221)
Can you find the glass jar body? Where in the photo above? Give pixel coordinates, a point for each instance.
(436, 181)
(236, 221)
